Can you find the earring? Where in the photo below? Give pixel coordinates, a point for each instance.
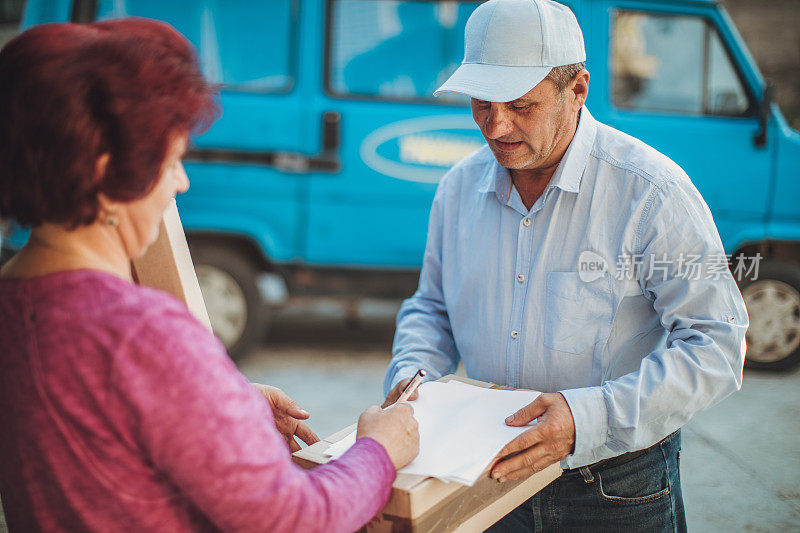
(112, 220)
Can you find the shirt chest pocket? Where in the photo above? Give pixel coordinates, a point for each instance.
(578, 313)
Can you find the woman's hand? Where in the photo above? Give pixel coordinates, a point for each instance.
(395, 429)
(288, 416)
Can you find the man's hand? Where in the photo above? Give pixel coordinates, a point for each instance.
(395, 393)
(287, 416)
(549, 441)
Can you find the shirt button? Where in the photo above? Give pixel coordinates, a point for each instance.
(526, 222)
(514, 334)
(520, 278)
(731, 319)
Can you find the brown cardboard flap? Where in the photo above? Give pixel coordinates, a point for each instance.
(167, 266)
(470, 508)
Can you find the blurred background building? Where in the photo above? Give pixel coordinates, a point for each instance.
(770, 29)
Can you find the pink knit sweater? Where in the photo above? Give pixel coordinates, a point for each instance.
(119, 411)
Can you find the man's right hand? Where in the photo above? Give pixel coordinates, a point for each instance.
(395, 393)
(395, 429)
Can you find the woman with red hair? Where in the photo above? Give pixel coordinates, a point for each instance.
(119, 410)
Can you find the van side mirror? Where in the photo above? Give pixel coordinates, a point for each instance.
(764, 110)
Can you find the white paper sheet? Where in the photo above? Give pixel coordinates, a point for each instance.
(461, 427)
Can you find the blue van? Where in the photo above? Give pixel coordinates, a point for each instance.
(319, 176)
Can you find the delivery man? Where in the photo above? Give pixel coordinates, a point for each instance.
(570, 258)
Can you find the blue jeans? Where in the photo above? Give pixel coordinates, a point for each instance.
(643, 494)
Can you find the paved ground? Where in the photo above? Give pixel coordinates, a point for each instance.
(741, 459)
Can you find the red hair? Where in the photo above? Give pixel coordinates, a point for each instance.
(70, 93)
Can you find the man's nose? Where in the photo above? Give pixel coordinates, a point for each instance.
(498, 122)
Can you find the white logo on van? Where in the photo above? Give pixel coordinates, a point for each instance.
(420, 149)
(436, 149)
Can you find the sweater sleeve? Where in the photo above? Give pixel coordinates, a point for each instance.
(203, 426)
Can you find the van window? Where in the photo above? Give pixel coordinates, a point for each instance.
(394, 50)
(242, 45)
(673, 63)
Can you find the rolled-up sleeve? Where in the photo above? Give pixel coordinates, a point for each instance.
(424, 338)
(704, 315)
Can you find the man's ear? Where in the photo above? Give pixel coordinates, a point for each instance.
(579, 88)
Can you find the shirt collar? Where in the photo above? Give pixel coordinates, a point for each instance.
(567, 176)
(570, 171)
(497, 180)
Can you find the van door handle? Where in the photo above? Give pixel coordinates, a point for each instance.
(326, 160)
(331, 129)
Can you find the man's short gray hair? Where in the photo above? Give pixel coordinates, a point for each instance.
(561, 76)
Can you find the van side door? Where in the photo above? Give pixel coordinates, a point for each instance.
(677, 76)
(382, 61)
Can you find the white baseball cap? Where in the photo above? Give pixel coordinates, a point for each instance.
(511, 45)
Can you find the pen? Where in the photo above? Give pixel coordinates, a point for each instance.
(412, 385)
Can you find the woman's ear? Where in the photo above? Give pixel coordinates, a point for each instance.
(108, 207)
(100, 166)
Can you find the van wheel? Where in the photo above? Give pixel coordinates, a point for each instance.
(773, 305)
(228, 283)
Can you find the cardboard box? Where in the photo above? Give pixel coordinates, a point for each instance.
(422, 504)
(167, 266)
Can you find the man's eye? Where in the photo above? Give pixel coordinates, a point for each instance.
(519, 107)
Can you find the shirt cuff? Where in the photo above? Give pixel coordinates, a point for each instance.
(401, 374)
(590, 414)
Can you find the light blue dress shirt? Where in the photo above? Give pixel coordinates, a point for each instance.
(522, 297)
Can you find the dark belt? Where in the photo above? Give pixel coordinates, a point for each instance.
(619, 459)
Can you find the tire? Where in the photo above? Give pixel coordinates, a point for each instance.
(227, 280)
(773, 304)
